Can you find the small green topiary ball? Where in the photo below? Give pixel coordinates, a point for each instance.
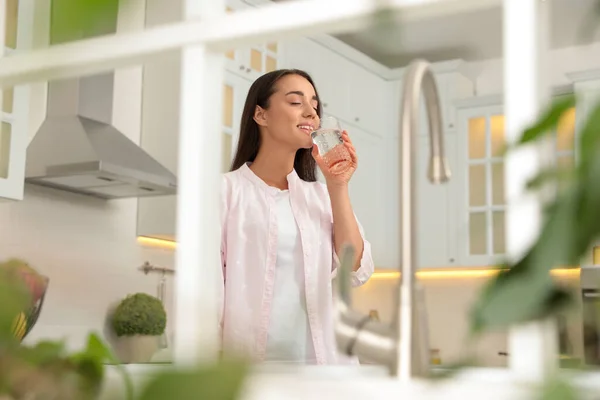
(139, 314)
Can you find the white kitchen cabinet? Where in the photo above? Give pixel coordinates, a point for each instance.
(347, 91)
(436, 203)
(254, 61)
(366, 189)
(235, 90)
(160, 121)
(14, 103)
(480, 176)
(367, 99)
(453, 86)
(13, 142)
(435, 206)
(157, 215)
(326, 68)
(437, 219)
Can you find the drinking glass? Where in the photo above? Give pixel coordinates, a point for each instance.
(332, 150)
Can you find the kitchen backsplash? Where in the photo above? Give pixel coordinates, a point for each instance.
(87, 248)
(449, 300)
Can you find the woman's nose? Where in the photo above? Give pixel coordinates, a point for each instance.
(310, 112)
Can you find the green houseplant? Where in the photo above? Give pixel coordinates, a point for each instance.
(138, 321)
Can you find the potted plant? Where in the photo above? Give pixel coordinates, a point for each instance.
(138, 321)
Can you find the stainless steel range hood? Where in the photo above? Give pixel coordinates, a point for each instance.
(78, 149)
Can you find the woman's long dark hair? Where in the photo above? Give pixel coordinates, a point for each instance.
(249, 139)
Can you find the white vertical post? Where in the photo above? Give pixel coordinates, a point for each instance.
(533, 346)
(199, 192)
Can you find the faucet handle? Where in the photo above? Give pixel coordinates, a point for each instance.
(357, 334)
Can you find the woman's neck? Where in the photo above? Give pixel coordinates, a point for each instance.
(273, 166)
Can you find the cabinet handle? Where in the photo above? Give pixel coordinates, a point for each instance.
(356, 119)
(324, 104)
(450, 125)
(452, 260)
(248, 70)
(242, 67)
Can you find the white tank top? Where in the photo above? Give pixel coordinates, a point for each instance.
(289, 339)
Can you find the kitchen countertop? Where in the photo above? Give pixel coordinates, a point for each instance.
(310, 382)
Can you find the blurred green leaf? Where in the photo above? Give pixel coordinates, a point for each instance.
(554, 175)
(222, 381)
(558, 389)
(14, 298)
(548, 122)
(78, 19)
(90, 364)
(43, 352)
(590, 138)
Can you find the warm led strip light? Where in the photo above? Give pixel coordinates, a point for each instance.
(468, 273)
(153, 242)
(429, 274)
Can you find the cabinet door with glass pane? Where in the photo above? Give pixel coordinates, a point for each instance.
(14, 103)
(254, 61)
(235, 90)
(480, 176)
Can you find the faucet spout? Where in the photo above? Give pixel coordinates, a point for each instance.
(402, 346)
(419, 79)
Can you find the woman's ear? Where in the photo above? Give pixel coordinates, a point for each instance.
(260, 116)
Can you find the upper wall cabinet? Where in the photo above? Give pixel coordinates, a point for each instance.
(480, 175)
(157, 216)
(452, 86)
(367, 188)
(254, 61)
(347, 91)
(436, 205)
(235, 90)
(480, 195)
(15, 103)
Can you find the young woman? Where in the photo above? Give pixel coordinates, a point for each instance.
(282, 230)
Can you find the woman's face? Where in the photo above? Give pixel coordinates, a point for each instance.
(292, 113)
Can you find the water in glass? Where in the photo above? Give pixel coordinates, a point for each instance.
(332, 149)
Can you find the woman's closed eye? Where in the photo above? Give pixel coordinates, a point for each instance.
(299, 104)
